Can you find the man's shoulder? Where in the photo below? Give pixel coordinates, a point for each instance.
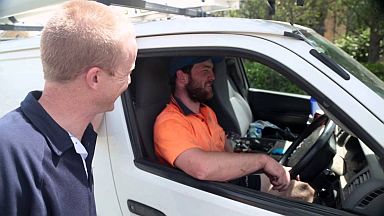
(11, 120)
(169, 112)
(16, 129)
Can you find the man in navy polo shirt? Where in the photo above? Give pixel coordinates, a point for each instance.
(47, 144)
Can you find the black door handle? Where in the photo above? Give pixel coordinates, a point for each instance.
(143, 210)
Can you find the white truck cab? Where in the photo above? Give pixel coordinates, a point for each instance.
(344, 163)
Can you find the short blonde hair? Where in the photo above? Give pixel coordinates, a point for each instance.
(81, 35)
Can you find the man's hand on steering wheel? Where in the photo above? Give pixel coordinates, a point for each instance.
(312, 150)
(277, 174)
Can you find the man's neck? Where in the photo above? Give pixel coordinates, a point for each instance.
(63, 104)
(192, 105)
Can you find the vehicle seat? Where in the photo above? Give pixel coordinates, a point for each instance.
(150, 92)
(232, 110)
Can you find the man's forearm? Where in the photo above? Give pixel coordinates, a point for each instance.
(220, 166)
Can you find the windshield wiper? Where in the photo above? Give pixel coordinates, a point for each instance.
(318, 52)
(330, 63)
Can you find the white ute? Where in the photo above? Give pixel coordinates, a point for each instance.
(344, 163)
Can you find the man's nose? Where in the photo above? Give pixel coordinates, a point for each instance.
(211, 76)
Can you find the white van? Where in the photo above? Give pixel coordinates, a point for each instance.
(344, 163)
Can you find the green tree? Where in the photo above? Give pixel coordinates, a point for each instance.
(359, 17)
(252, 10)
(356, 45)
(367, 15)
(312, 14)
(263, 77)
(362, 36)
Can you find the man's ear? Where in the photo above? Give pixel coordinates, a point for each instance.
(183, 77)
(92, 77)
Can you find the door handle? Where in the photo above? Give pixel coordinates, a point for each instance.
(143, 210)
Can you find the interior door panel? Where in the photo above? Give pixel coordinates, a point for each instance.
(281, 109)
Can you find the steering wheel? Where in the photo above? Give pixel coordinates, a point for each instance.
(322, 149)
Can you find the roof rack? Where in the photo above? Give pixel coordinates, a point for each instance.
(9, 9)
(141, 4)
(7, 27)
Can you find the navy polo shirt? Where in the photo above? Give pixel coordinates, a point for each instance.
(40, 171)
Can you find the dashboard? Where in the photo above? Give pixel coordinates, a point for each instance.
(362, 180)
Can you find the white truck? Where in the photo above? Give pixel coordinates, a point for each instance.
(344, 163)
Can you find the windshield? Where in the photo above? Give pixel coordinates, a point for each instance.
(347, 62)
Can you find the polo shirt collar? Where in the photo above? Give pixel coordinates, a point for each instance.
(183, 107)
(56, 136)
(186, 111)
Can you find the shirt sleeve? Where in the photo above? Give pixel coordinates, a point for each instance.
(173, 136)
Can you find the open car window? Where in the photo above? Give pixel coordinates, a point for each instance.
(263, 77)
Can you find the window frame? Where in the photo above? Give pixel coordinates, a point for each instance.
(227, 190)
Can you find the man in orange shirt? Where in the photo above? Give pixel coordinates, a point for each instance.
(188, 136)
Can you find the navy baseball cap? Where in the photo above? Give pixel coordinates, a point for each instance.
(178, 63)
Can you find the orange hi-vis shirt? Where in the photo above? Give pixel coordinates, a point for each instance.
(178, 129)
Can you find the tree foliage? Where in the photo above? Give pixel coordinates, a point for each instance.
(377, 69)
(356, 45)
(361, 18)
(365, 15)
(362, 34)
(312, 14)
(263, 77)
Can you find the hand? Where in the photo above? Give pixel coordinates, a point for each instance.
(296, 190)
(277, 174)
(300, 190)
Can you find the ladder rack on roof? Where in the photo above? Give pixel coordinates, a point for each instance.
(10, 8)
(145, 5)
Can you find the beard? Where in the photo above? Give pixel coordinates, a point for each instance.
(199, 94)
